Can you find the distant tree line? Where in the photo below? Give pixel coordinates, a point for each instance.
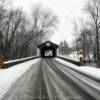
(87, 31)
(20, 34)
(64, 48)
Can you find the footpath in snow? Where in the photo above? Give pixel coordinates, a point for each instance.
(10, 75)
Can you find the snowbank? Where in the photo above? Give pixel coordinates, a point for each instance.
(10, 61)
(90, 71)
(10, 75)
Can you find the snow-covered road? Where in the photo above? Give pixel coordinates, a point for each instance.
(50, 80)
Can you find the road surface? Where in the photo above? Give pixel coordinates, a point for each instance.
(51, 80)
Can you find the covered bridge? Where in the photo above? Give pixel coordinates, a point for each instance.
(48, 49)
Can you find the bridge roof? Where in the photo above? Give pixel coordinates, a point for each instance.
(48, 44)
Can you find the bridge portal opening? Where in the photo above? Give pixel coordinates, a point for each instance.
(48, 49)
(48, 53)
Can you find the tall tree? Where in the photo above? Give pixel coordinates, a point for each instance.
(93, 9)
(43, 22)
(20, 35)
(64, 48)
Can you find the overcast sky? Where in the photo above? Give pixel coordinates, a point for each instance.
(67, 11)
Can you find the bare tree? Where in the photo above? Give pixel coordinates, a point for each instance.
(76, 33)
(3, 20)
(43, 22)
(93, 9)
(64, 48)
(20, 35)
(13, 24)
(83, 38)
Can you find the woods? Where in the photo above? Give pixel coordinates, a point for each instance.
(87, 33)
(20, 34)
(64, 48)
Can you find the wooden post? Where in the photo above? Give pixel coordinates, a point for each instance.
(1, 61)
(81, 60)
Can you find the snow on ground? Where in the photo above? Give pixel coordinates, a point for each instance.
(73, 55)
(10, 61)
(91, 71)
(70, 57)
(10, 75)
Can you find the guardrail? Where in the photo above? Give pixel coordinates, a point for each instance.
(76, 62)
(8, 64)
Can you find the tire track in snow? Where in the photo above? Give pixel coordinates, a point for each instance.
(23, 88)
(71, 82)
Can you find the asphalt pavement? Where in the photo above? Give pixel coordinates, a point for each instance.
(51, 80)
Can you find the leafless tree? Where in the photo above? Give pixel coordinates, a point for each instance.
(64, 48)
(93, 9)
(83, 38)
(19, 34)
(43, 22)
(76, 33)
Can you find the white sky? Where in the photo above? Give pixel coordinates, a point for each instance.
(65, 9)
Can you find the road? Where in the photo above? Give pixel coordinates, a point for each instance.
(51, 80)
